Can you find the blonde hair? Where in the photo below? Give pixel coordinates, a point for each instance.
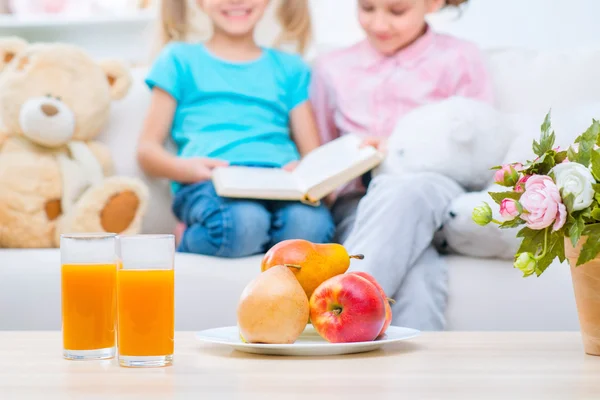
(293, 16)
(455, 3)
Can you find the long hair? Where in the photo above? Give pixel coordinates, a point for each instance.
(174, 20)
(295, 21)
(293, 16)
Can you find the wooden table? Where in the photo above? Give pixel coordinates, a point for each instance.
(446, 365)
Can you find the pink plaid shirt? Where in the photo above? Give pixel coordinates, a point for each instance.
(361, 91)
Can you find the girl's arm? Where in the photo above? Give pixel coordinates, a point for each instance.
(304, 129)
(158, 162)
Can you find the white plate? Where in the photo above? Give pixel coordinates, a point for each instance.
(308, 344)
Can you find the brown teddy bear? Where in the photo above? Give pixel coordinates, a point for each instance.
(54, 178)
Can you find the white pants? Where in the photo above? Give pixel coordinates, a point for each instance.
(393, 225)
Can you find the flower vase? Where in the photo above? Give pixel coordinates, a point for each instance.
(586, 284)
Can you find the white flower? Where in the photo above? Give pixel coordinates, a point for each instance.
(574, 178)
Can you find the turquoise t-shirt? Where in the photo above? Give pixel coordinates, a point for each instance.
(234, 111)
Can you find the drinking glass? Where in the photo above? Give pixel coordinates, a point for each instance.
(146, 300)
(89, 302)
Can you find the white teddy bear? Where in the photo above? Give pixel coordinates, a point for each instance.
(459, 137)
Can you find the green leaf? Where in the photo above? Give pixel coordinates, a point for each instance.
(591, 248)
(596, 122)
(511, 224)
(596, 164)
(547, 139)
(547, 124)
(586, 143)
(560, 157)
(499, 196)
(555, 249)
(533, 241)
(544, 164)
(595, 214)
(569, 201)
(587, 214)
(576, 229)
(591, 229)
(572, 155)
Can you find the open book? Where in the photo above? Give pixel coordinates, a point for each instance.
(320, 173)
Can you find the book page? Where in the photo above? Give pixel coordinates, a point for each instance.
(254, 182)
(336, 163)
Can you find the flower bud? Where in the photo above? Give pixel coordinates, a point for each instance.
(527, 263)
(507, 176)
(482, 215)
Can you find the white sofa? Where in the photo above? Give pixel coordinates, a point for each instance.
(484, 294)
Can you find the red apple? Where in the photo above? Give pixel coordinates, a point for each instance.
(347, 308)
(388, 307)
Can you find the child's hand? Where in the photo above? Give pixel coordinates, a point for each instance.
(330, 199)
(291, 166)
(380, 143)
(200, 169)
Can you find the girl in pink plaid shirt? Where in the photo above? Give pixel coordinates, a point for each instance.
(403, 64)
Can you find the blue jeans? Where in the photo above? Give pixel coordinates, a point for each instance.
(224, 227)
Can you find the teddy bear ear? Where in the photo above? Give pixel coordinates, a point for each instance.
(119, 78)
(9, 48)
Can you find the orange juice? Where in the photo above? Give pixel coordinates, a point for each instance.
(88, 306)
(146, 320)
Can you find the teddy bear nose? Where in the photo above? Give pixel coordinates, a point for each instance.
(49, 110)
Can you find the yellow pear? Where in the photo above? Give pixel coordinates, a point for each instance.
(311, 263)
(273, 308)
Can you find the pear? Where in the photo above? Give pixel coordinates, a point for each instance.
(273, 308)
(311, 263)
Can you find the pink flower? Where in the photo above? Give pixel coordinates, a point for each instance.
(520, 186)
(542, 204)
(518, 167)
(507, 175)
(510, 209)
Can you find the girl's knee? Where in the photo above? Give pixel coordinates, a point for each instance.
(246, 230)
(236, 230)
(314, 224)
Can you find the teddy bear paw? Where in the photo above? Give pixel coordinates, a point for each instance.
(116, 205)
(120, 211)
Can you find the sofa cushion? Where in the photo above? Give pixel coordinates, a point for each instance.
(484, 294)
(527, 81)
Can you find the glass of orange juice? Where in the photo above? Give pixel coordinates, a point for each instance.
(89, 300)
(146, 300)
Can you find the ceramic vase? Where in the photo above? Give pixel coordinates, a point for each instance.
(586, 285)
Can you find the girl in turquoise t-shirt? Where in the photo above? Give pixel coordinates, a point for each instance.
(226, 102)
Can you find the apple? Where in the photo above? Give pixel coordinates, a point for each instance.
(388, 307)
(347, 308)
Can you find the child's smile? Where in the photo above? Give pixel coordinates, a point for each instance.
(237, 13)
(234, 17)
